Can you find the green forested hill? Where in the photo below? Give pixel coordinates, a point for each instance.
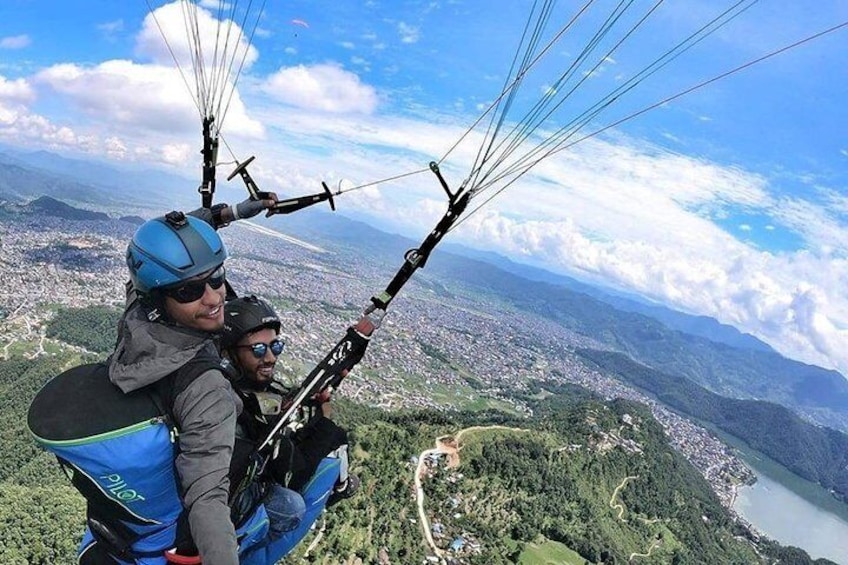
(41, 515)
(816, 453)
(556, 480)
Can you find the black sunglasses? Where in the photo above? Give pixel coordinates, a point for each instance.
(193, 290)
(260, 349)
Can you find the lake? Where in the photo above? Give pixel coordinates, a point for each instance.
(790, 518)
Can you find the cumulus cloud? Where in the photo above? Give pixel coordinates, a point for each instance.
(325, 87)
(809, 317)
(754, 291)
(15, 42)
(147, 107)
(177, 153)
(17, 91)
(408, 33)
(20, 126)
(115, 147)
(210, 32)
(124, 93)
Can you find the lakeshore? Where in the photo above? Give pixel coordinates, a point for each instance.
(774, 507)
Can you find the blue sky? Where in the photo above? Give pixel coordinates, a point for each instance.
(730, 202)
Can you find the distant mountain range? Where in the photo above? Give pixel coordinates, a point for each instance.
(334, 229)
(819, 394)
(24, 175)
(711, 354)
(702, 326)
(52, 207)
(49, 206)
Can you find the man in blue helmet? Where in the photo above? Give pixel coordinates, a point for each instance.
(147, 436)
(176, 266)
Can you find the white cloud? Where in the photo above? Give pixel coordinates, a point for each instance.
(123, 93)
(115, 148)
(325, 87)
(8, 116)
(408, 33)
(178, 153)
(15, 42)
(20, 126)
(111, 28)
(17, 91)
(211, 33)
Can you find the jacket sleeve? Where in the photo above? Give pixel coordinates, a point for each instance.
(312, 443)
(206, 414)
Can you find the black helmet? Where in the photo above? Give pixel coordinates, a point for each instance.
(245, 315)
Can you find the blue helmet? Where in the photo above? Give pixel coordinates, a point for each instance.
(170, 249)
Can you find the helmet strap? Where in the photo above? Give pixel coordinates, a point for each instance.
(154, 306)
(239, 375)
(238, 372)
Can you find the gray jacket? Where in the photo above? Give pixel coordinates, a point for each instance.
(205, 413)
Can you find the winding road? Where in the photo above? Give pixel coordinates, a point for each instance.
(617, 505)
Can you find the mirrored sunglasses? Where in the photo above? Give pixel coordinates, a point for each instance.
(260, 349)
(193, 290)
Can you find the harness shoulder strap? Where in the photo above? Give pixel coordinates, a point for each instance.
(165, 391)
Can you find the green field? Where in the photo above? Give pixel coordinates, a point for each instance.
(547, 552)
